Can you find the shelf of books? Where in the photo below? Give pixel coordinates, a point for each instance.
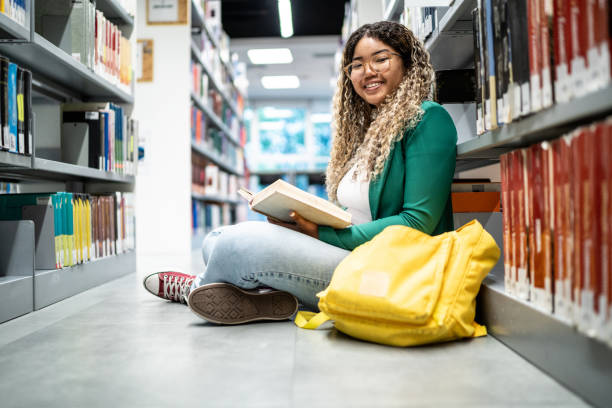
(197, 54)
(13, 29)
(217, 127)
(212, 117)
(544, 125)
(55, 145)
(121, 12)
(543, 112)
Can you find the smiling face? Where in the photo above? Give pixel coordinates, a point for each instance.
(372, 86)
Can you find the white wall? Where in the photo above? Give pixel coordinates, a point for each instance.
(163, 184)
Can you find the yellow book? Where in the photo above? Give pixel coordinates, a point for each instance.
(75, 221)
(84, 247)
(280, 198)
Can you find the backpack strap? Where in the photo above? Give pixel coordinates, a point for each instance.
(310, 320)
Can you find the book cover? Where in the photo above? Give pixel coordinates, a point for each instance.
(523, 186)
(577, 206)
(559, 207)
(606, 152)
(20, 112)
(4, 130)
(548, 226)
(501, 60)
(28, 112)
(546, 21)
(506, 208)
(515, 220)
(491, 102)
(12, 108)
(589, 233)
(567, 225)
(535, 55)
(603, 25)
(562, 50)
(280, 198)
(579, 47)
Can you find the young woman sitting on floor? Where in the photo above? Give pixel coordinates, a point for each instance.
(392, 163)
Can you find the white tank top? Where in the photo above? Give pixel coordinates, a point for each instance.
(353, 194)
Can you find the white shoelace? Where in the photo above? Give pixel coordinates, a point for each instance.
(176, 288)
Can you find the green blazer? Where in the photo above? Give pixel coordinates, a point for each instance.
(414, 187)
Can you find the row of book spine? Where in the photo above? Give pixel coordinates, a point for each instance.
(214, 140)
(213, 99)
(9, 187)
(14, 9)
(111, 137)
(88, 36)
(530, 54)
(421, 20)
(207, 216)
(85, 227)
(16, 119)
(557, 237)
(209, 179)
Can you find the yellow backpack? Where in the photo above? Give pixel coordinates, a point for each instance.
(406, 288)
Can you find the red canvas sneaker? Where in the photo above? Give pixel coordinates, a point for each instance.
(172, 286)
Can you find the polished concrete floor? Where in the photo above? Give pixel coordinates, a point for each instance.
(118, 346)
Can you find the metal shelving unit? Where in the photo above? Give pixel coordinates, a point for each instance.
(52, 63)
(214, 119)
(59, 77)
(451, 43)
(51, 286)
(213, 157)
(581, 363)
(544, 125)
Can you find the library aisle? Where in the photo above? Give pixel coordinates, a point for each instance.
(131, 129)
(118, 346)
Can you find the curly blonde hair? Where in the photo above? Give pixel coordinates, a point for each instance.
(364, 134)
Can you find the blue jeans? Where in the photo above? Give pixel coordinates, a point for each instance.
(253, 254)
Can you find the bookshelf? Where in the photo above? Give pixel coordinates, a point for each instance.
(57, 78)
(220, 79)
(581, 363)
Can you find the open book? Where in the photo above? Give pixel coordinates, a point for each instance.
(280, 198)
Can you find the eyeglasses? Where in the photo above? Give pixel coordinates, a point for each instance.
(380, 62)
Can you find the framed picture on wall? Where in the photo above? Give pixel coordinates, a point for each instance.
(170, 12)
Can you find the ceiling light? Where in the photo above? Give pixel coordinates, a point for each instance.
(280, 82)
(285, 18)
(321, 118)
(270, 56)
(275, 113)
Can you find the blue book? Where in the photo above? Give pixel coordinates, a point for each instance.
(106, 141)
(491, 102)
(12, 108)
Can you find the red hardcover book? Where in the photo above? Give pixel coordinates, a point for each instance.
(198, 134)
(568, 223)
(606, 153)
(559, 268)
(591, 208)
(548, 226)
(562, 50)
(506, 210)
(535, 63)
(546, 21)
(577, 211)
(513, 164)
(603, 39)
(592, 51)
(522, 190)
(579, 46)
